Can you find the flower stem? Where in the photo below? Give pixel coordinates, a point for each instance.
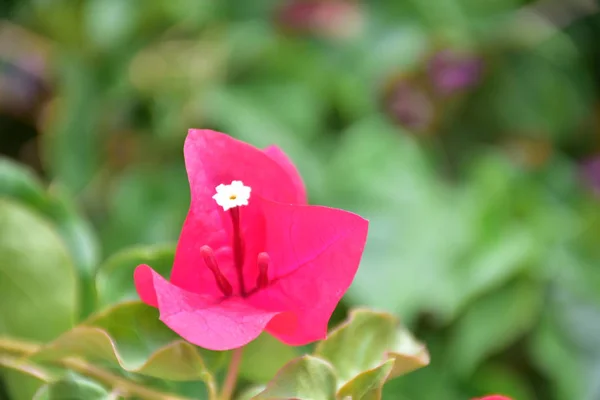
(19, 347)
(232, 374)
(124, 386)
(25, 367)
(16, 350)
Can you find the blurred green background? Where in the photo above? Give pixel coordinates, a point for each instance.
(465, 130)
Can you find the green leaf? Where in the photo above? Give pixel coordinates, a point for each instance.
(433, 382)
(514, 310)
(526, 86)
(250, 393)
(385, 163)
(61, 21)
(21, 383)
(72, 388)
(408, 353)
(114, 280)
(18, 182)
(305, 378)
(367, 340)
(263, 357)
(147, 206)
(367, 385)
(72, 141)
(130, 336)
(82, 243)
(554, 355)
(37, 280)
(497, 378)
(37, 276)
(76, 231)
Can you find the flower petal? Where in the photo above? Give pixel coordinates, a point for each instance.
(144, 284)
(213, 324)
(282, 159)
(213, 158)
(322, 249)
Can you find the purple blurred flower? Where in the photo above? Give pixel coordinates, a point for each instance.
(19, 90)
(23, 69)
(452, 71)
(410, 106)
(590, 171)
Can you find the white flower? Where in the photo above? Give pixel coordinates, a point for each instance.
(234, 195)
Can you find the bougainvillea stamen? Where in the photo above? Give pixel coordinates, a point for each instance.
(211, 262)
(263, 265)
(238, 249)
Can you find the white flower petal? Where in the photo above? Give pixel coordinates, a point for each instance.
(233, 195)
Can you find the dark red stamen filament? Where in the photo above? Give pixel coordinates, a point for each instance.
(211, 262)
(238, 249)
(263, 265)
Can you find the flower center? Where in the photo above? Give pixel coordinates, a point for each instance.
(231, 197)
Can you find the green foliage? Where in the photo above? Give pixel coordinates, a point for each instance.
(38, 283)
(147, 206)
(366, 341)
(19, 183)
(38, 277)
(114, 281)
(367, 385)
(515, 309)
(72, 149)
(306, 378)
(264, 357)
(483, 237)
(72, 388)
(58, 210)
(130, 336)
(355, 361)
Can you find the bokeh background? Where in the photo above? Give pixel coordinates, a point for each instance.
(467, 131)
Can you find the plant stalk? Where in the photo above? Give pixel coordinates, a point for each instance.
(16, 351)
(25, 367)
(232, 374)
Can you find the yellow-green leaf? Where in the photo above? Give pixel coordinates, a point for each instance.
(305, 378)
(367, 385)
(38, 286)
(130, 336)
(264, 356)
(369, 339)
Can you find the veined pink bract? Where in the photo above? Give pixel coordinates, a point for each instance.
(253, 256)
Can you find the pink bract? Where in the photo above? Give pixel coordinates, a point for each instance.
(494, 397)
(313, 252)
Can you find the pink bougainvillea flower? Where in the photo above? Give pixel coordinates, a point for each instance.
(252, 255)
(493, 397)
